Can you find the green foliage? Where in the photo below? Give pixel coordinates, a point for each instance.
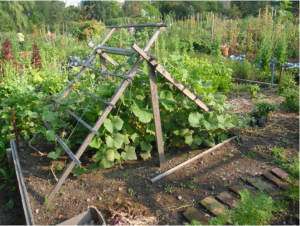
(193, 222)
(253, 210)
(291, 102)
(262, 110)
(287, 82)
(265, 51)
(253, 89)
(10, 205)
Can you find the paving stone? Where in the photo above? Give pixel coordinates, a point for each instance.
(193, 214)
(275, 180)
(239, 187)
(263, 186)
(228, 199)
(279, 173)
(213, 206)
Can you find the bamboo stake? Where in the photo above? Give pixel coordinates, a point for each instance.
(191, 160)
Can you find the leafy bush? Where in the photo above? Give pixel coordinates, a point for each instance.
(207, 47)
(253, 89)
(291, 102)
(87, 29)
(262, 110)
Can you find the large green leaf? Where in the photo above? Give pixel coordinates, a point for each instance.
(167, 100)
(50, 135)
(53, 155)
(146, 146)
(113, 125)
(96, 142)
(115, 140)
(195, 119)
(49, 116)
(135, 139)
(144, 115)
(145, 154)
(129, 153)
(211, 121)
(193, 141)
(77, 170)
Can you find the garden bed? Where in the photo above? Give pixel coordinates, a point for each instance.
(128, 189)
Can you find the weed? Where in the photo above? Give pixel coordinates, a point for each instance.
(9, 205)
(253, 89)
(193, 222)
(193, 178)
(82, 186)
(169, 188)
(193, 187)
(182, 185)
(132, 192)
(253, 210)
(262, 110)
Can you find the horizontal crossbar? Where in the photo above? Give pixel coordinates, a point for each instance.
(117, 49)
(98, 98)
(64, 146)
(109, 73)
(83, 122)
(138, 25)
(117, 53)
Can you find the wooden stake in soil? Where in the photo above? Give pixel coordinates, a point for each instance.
(156, 114)
(212, 27)
(191, 160)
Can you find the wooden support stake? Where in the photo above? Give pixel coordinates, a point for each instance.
(190, 160)
(212, 27)
(156, 114)
(103, 67)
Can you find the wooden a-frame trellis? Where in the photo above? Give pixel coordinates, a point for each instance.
(152, 66)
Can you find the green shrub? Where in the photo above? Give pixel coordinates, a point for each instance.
(287, 81)
(291, 102)
(253, 210)
(253, 89)
(262, 110)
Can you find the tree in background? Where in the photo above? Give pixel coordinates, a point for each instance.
(101, 10)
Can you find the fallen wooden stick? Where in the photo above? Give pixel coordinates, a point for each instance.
(191, 160)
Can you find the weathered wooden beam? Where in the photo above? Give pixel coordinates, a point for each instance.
(170, 78)
(109, 73)
(64, 146)
(138, 25)
(104, 115)
(83, 122)
(98, 98)
(156, 114)
(190, 160)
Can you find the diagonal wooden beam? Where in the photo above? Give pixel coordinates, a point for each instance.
(169, 77)
(105, 113)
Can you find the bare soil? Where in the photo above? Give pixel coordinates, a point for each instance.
(128, 190)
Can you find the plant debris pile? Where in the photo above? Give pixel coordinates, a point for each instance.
(36, 57)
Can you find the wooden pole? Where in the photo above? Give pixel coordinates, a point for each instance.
(191, 160)
(63, 30)
(103, 67)
(259, 13)
(212, 27)
(197, 20)
(272, 12)
(156, 114)
(280, 74)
